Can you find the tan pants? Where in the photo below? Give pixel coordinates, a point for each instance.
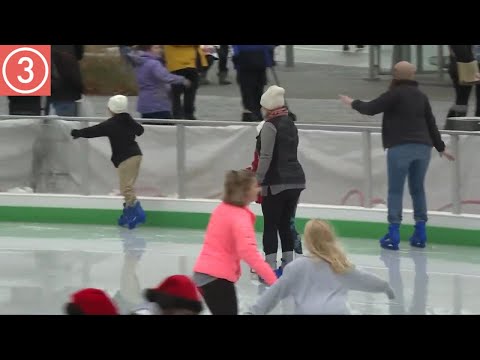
(128, 173)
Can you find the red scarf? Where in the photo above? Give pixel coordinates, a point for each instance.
(283, 111)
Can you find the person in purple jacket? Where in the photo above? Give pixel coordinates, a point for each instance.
(154, 82)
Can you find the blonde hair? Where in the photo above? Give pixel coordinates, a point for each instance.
(321, 242)
(236, 186)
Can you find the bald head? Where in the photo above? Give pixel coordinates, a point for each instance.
(404, 71)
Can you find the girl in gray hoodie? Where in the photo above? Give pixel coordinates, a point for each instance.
(319, 282)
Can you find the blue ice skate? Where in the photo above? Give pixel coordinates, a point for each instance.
(122, 220)
(141, 217)
(131, 217)
(419, 237)
(391, 240)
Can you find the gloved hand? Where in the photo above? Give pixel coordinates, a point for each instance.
(75, 134)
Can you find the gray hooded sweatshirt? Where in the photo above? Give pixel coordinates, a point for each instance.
(316, 289)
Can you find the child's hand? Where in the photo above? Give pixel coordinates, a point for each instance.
(187, 83)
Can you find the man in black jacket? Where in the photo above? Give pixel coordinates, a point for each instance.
(408, 132)
(121, 130)
(67, 83)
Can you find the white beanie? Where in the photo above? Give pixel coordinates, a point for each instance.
(273, 98)
(118, 104)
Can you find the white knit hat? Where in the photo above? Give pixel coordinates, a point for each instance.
(118, 104)
(273, 98)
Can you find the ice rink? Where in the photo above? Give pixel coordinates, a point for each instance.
(42, 264)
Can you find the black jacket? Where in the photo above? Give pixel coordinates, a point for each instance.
(462, 53)
(407, 116)
(67, 82)
(121, 130)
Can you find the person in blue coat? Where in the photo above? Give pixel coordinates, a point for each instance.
(251, 63)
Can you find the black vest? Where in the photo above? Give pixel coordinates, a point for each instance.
(284, 167)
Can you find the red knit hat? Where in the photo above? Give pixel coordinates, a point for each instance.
(176, 292)
(92, 302)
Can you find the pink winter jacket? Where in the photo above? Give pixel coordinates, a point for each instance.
(230, 237)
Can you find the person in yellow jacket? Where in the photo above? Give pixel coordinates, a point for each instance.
(184, 60)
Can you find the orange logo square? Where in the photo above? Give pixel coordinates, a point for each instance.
(25, 70)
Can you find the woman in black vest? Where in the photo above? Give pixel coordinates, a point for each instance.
(280, 174)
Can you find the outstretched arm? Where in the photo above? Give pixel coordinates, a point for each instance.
(374, 107)
(364, 281)
(98, 130)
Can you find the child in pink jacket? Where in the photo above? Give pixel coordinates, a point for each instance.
(230, 237)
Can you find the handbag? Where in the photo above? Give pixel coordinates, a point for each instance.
(467, 72)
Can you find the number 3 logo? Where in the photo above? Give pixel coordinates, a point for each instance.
(27, 69)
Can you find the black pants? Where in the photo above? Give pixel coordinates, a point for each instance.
(462, 93)
(221, 297)
(188, 109)
(252, 83)
(223, 59)
(278, 211)
(25, 105)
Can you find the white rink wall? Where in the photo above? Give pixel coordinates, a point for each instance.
(45, 158)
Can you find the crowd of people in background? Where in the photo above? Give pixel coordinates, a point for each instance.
(172, 93)
(167, 76)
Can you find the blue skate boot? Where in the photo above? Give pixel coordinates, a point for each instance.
(419, 237)
(392, 239)
(131, 216)
(122, 220)
(141, 217)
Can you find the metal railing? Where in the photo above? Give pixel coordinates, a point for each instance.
(366, 132)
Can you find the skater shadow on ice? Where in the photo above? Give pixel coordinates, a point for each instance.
(130, 294)
(418, 305)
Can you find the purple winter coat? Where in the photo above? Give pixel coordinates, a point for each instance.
(154, 82)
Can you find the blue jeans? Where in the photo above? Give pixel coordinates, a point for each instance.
(412, 160)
